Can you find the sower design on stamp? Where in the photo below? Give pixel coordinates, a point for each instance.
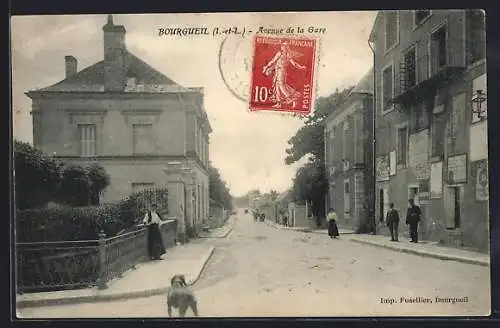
(282, 74)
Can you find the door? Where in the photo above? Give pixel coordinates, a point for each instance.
(413, 194)
(453, 207)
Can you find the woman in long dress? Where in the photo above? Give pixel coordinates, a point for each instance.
(152, 220)
(333, 230)
(282, 92)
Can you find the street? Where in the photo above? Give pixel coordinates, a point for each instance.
(262, 271)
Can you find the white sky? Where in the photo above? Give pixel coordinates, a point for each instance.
(248, 148)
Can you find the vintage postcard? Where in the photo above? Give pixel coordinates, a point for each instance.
(309, 164)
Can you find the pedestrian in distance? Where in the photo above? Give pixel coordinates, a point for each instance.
(413, 216)
(152, 220)
(333, 230)
(392, 221)
(285, 220)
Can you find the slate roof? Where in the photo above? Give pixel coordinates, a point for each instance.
(91, 79)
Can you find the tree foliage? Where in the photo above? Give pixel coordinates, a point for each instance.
(310, 182)
(40, 179)
(219, 192)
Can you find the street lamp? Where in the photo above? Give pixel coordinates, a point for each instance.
(477, 102)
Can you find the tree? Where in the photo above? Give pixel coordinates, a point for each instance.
(99, 181)
(274, 194)
(219, 192)
(36, 176)
(75, 185)
(310, 182)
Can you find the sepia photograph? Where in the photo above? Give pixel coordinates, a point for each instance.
(251, 164)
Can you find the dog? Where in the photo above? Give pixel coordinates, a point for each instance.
(180, 297)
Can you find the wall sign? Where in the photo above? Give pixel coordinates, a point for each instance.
(457, 169)
(382, 168)
(482, 192)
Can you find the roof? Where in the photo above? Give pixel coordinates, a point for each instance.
(91, 79)
(365, 85)
(375, 23)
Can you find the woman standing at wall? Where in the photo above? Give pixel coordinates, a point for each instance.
(152, 220)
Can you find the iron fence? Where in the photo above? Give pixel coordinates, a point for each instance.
(50, 266)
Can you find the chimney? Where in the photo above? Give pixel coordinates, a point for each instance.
(115, 56)
(71, 65)
(114, 38)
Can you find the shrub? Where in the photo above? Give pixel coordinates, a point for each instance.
(36, 176)
(98, 179)
(75, 186)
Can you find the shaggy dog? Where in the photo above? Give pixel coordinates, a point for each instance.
(180, 297)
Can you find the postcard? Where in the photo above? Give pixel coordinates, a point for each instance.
(251, 164)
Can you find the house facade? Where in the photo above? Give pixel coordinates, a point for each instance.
(146, 130)
(349, 158)
(431, 145)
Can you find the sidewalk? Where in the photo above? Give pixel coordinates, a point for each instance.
(307, 229)
(149, 278)
(221, 232)
(423, 248)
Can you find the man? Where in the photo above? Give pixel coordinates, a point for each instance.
(392, 221)
(413, 216)
(333, 230)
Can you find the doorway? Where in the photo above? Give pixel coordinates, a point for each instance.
(453, 207)
(383, 203)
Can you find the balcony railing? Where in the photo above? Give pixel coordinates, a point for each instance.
(50, 266)
(428, 70)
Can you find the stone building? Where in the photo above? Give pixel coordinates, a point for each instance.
(145, 129)
(349, 158)
(431, 145)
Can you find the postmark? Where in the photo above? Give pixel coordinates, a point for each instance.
(235, 64)
(282, 77)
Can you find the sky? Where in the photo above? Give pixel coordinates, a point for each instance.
(248, 148)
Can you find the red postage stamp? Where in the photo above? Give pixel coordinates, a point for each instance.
(282, 74)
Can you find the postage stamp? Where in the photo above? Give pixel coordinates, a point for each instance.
(282, 74)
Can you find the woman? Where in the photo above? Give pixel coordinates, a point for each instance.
(282, 92)
(333, 230)
(152, 220)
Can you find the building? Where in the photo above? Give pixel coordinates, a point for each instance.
(146, 130)
(431, 145)
(349, 158)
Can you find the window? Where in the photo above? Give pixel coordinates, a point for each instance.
(402, 146)
(410, 68)
(391, 29)
(331, 146)
(387, 88)
(476, 38)
(419, 117)
(87, 139)
(420, 15)
(438, 134)
(143, 139)
(456, 123)
(345, 139)
(439, 50)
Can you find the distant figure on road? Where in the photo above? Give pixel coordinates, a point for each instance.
(413, 216)
(333, 230)
(152, 220)
(285, 220)
(392, 221)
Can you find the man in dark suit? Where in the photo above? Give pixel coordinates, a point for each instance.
(392, 222)
(413, 216)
